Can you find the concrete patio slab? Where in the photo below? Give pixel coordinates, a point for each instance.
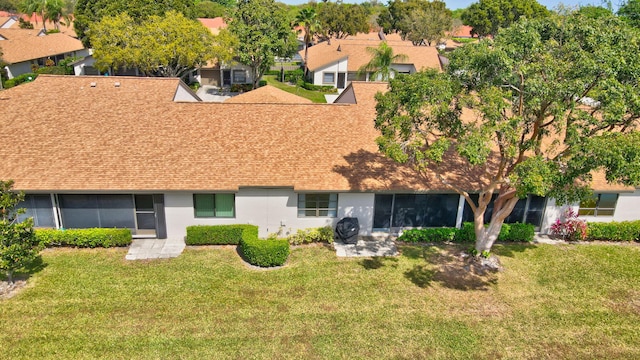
(143, 249)
(367, 247)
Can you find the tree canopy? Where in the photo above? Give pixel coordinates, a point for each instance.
(88, 12)
(18, 244)
(263, 31)
(382, 58)
(535, 111)
(487, 16)
(630, 12)
(170, 45)
(339, 20)
(419, 21)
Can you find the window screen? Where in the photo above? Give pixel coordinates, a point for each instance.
(39, 208)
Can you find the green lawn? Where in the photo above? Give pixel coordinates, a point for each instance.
(574, 301)
(315, 96)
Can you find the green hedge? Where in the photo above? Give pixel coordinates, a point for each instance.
(508, 232)
(614, 231)
(96, 237)
(306, 236)
(219, 234)
(19, 80)
(264, 253)
(321, 88)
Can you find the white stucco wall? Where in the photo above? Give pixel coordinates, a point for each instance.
(340, 66)
(270, 209)
(358, 205)
(627, 209)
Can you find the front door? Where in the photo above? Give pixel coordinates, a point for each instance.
(226, 77)
(145, 215)
(341, 80)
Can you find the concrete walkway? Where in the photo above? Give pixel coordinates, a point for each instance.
(142, 249)
(367, 247)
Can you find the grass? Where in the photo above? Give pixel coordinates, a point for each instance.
(315, 96)
(573, 301)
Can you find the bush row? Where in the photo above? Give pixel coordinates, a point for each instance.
(19, 80)
(91, 238)
(466, 234)
(321, 88)
(312, 235)
(614, 231)
(219, 234)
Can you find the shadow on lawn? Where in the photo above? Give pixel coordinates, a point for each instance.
(447, 266)
(378, 262)
(510, 249)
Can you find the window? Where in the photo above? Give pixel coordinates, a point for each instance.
(80, 211)
(214, 205)
(39, 208)
(328, 78)
(317, 205)
(528, 210)
(415, 210)
(239, 77)
(599, 205)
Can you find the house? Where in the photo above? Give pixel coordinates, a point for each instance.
(218, 74)
(36, 20)
(6, 22)
(145, 154)
(337, 62)
(26, 49)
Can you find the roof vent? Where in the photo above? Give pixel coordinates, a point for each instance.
(117, 84)
(93, 84)
(339, 48)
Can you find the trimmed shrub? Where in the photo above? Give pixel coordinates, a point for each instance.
(91, 238)
(430, 235)
(306, 236)
(466, 234)
(519, 233)
(614, 231)
(264, 253)
(321, 88)
(262, 83)
(20, 79)
(219, 234)
(293, 76)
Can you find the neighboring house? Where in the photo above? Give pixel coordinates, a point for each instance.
(36, 20)
(337, 62)
(139, 153)
(221, 75)
(25, 49)
(86, 66)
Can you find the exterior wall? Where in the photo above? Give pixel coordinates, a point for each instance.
(626, 209)
(339, 66)
(272, 210)
(358, 205)
(16, 69)
(183, 94)
(553, 212)
(404, 68)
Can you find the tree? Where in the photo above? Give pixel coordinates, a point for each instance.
(630, 12)
(88, 12)
(210, 9)
(487, 16)
(263, 32)
(9, 5)
(428, 22)
(419, 21)
(18, 244)
(308, 19)
(535, 111)
(341, 20)
(594, 11)
(382, 58)
(168, 46)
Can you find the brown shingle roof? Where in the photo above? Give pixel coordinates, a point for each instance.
(324, 53)
(267, 95)
(25, 44)
(134, 137)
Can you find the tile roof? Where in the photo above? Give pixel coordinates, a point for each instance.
(326, 53)
(267, 95)
(134, 137)
(214, 24)
(25, 44)
(36, 20)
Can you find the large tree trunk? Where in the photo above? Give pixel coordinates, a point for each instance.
(503, 206)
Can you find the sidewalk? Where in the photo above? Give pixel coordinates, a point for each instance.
(142, 249)
(367, 247)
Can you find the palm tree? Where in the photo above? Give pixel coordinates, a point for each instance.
(308, 19)
(381, 60)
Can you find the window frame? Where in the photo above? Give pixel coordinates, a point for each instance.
(235, 80)
(215, 210)
(593, 211)
(332, 212)
(333, 77)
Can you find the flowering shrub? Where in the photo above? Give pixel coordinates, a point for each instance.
(569, 227)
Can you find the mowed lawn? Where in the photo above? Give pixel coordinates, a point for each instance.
(556, 302)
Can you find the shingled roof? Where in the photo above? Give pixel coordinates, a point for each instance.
(28, 44)
(355, 50)
(135, 137)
